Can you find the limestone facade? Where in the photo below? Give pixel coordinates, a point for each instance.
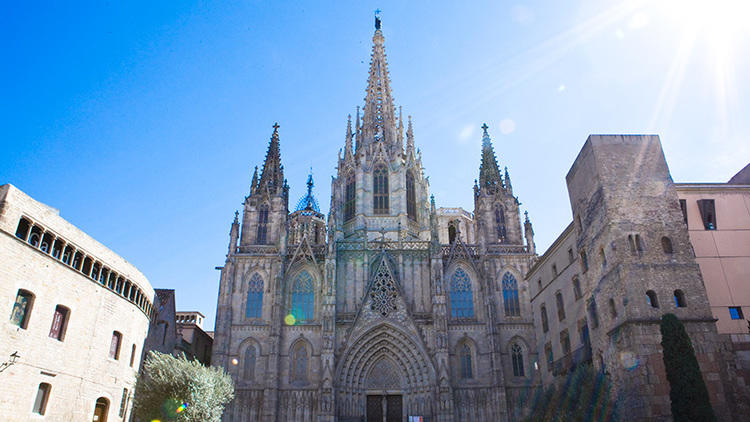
(377, 311)
(78, 316)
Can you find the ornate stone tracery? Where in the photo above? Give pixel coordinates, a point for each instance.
(383, 292)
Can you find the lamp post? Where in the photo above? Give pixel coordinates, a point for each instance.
(13, 358)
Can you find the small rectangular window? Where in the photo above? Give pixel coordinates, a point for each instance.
(683, 207)
(565, 342)
(114, 346)
(571, 257)
(554, 270)
(42, 397)
(21, 311)
(59, 323)
(550, 356)
(736, 312)
(577, 288)
(708, 213)
(584, 262)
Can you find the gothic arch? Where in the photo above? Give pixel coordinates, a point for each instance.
(316, 277)
(242, 353)
(524, 353)
(477, 289)
(248, 273)
(386, 341)
(459, 352)
(299, 362)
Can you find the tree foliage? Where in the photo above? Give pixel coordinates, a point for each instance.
(584, 395)
(687, 390)
(176, 389)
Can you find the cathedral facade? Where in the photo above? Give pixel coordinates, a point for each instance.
(388, 307)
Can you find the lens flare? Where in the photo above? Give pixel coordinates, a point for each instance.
(182, 408)
(290, 319)
(629, 360)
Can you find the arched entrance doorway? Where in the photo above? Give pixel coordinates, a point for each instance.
(385, 376)
(101, 410)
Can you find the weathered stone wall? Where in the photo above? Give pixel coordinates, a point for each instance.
(78, 368)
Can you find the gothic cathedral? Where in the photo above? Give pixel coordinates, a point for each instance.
(388, 309)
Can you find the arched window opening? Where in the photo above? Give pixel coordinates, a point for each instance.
(517, 358)
(36, 236)
(132, 356)
(349, 197)
(510, 295)
(22, 232)
(104, 276)
(95, 271)
(120, 284)
(679, 299)
(411, 197)
(114, 345)
(545, 320)
(451, 232)
(299, 363)
(21, 313)
(466, 364)
(380, 189)
(42, 397)
(303, 297)
(68, 255)
(560, 306)
(462, 299)
(249, 368)
(59, 323)
(262, 225)
(651, 299)
(612, 308)
(78, 260)
(666, 245)
(500, 223)
(123, 402)
(47, 240)
(101, 410)
(87, 263)
(254, 297)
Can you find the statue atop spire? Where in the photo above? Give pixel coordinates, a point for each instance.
(489, 173)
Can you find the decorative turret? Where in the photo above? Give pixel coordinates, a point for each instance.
(528, 231)
(508, 186)
(409, 140)
(348, 149)
(234, 234)
(357, 133)
(489, 173)
(308, 202)
(307, 220)
(272, 177)
(254, 183)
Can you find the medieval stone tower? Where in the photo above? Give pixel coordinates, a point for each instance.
(368, 316)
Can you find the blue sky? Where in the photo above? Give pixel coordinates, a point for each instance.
(142, 121)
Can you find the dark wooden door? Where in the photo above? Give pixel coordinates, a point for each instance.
(100, 412)
(393, 409)
(374, 408)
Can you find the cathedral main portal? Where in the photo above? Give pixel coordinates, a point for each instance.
(384, 408)
(385, 376)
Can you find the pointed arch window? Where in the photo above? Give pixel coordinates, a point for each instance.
(465, 357)
(249, 369)
(299, 363)
(462, 300)
(380, 189)
(254, 297)
(411, 197)
(303, 297)
(500, 223)
(517, 358)
(510, 295)
(262, 225)
(349, 197)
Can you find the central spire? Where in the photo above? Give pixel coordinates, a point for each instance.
(379, 122)
(489, 173)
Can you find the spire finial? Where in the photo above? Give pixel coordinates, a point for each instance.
(484, 128)
(276, 127)
(236, 215)
(310, 183)
(377, 19)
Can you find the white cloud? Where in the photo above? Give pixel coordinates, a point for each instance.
(466, 133)
(620, 34)
(507, 126)
(561, 88)
(638, 20)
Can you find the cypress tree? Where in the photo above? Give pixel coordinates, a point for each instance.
(687, 390)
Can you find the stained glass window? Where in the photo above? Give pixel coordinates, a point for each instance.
(249, 374)
(466, 370)
(462, 301)
(254, 297)
(300, 363)
(510, 295)
(303, 297)
(517, 358)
